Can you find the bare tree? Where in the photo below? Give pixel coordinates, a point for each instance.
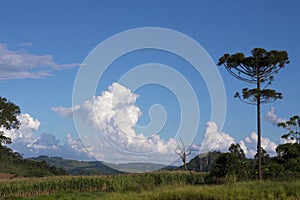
(183, 152)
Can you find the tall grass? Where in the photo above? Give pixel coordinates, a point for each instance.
(155, 185)
(248, 190)
(116, 183)
(266, 190)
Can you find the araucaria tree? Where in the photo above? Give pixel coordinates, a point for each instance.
(257, 69)
(8, 118)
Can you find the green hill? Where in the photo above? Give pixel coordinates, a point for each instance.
(13, 163)
(75, 167)
(137, 167)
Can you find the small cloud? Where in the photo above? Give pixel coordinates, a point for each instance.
(271, 117)
(26, 44)
(65, 112)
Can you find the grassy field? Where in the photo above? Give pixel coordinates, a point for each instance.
(162, 185)
(115, 183)
(249, 190)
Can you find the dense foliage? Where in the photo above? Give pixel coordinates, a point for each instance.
(8, 118)
(233, 166)
(13, 163)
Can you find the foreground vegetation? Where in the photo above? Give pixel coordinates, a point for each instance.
(116, 183)
(177, 191)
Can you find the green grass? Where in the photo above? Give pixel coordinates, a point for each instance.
(115, 183)
(146, 186)
(246, 190)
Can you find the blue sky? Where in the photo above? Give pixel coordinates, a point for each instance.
(70, 30)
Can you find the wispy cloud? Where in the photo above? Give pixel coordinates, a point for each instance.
(26, 44)
(20, 64)
(65, 112)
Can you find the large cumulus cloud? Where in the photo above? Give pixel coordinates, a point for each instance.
(113, 116)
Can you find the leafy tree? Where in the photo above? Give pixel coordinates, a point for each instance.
(8, 118)
(182, 152)
(257, 69)
(236, 150)
(265, 160)
(293, 125)
(231, 164)
(288, 151)
(265, 157)
(288, 155)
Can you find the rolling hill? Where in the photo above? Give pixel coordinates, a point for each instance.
(75, 167)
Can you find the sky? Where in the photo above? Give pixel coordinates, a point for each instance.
(46, 46)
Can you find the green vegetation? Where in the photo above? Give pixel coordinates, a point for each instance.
(117, 183)
(233, 166)
(172, 191)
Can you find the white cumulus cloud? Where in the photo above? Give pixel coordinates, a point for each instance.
(249, 145)
(113, 116)
(215, 140)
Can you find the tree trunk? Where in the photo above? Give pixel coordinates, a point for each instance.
(184, 162)
(259, 131)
